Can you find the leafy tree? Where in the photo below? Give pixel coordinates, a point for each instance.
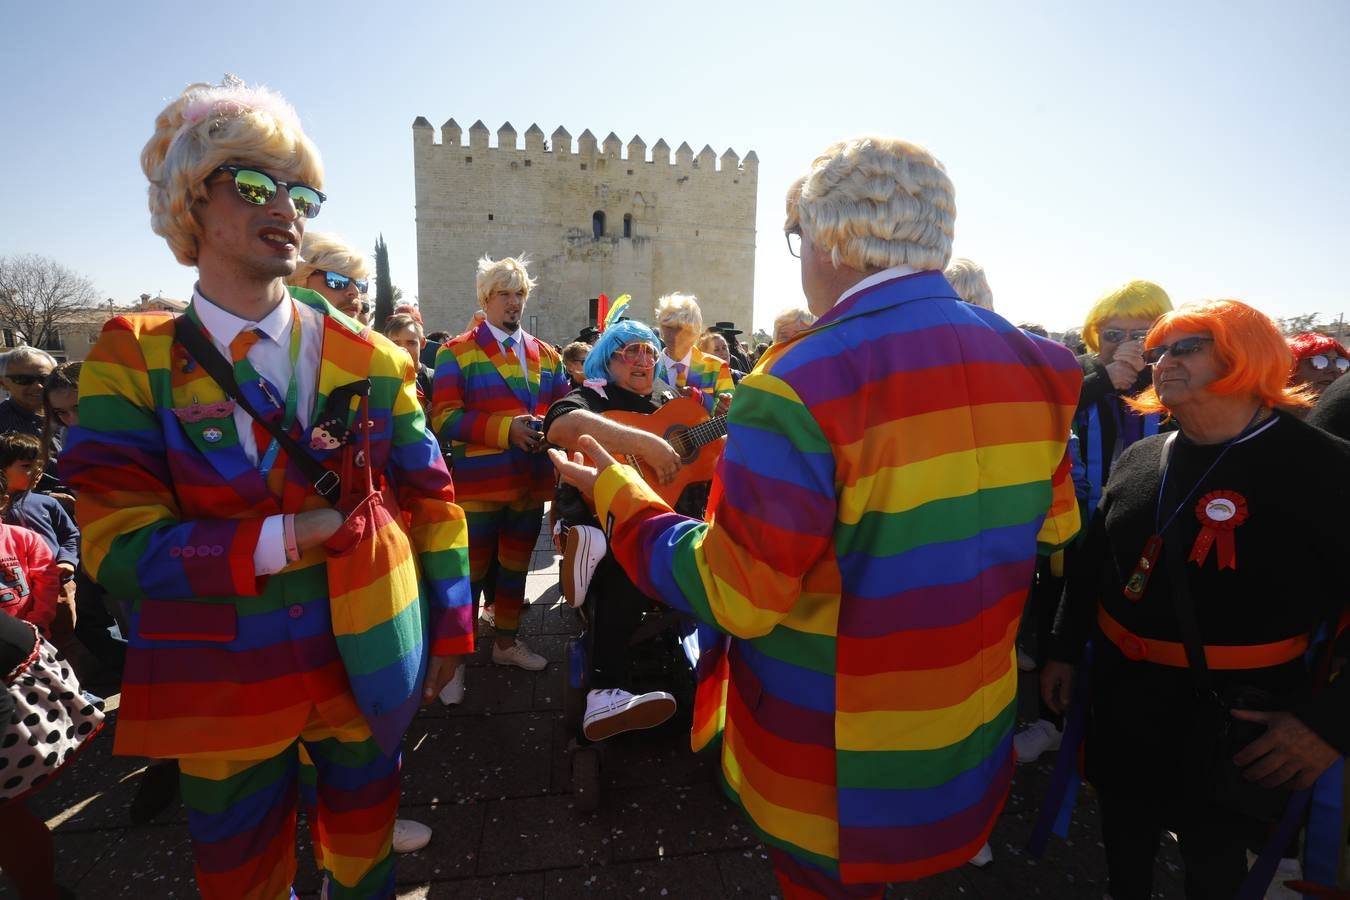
(38, 295)
(1299, 324)
(384, 285)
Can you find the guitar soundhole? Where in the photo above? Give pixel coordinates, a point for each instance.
(676, 438)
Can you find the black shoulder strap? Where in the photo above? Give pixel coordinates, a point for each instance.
(187, 332)
(1182, 600)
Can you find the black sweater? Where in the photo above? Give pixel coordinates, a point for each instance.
(1288, 552)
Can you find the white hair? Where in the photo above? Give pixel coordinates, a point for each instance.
(25, 353)
(876, 202)
(967, 279)
(680, 309)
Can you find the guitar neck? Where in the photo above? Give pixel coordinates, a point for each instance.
(705, 432)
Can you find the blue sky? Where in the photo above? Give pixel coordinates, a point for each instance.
(1201, 145)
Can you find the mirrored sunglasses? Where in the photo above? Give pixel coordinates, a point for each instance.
(1322, 360)
(26, 380)
(336, 281)
(258, 188)
(1118, 335)
(1183, 347)
(631, 353)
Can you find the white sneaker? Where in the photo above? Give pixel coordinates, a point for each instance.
(585, 547)
(614, 711)
(410, 836)
(487, 614)
(1037, 738)
(453, 692)
(520, 656)
(984, 857)
(1025, 661)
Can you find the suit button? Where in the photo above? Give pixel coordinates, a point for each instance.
(204, 551)
(217, 549)
(175, 552)
(189, 552)
(296, 611)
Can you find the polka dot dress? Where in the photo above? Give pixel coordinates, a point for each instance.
(51, 719)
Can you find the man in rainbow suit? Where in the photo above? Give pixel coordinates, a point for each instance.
(492, 387)
(682, 364)
(269, 632)
(890, 475)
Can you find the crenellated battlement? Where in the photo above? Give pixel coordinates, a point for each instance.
(587, 148)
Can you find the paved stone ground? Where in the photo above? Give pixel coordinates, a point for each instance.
(493, 779)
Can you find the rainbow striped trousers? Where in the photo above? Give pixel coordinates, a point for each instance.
(241, 815)
(506, 532)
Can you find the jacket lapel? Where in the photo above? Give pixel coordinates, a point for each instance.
(532, 371)
(206, 418)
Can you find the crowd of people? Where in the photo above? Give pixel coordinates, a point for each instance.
(282, 524)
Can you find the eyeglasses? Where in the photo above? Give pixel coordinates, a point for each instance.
(1118, 335)
(1322, 360)
(258, 188)
(633, 352)
(1183, 347)
(336, 281)
(794, 242)
(27, 380)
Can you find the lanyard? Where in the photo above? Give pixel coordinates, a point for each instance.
(269, 458)
(1162, 482)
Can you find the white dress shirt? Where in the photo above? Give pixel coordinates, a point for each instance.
(271, 356)
(518, 336)
(670, 364)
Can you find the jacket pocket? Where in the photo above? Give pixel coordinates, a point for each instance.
(187, 620)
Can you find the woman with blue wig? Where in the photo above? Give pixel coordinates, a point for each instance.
(620, 375)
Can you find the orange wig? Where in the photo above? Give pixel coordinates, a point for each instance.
(1246, 343)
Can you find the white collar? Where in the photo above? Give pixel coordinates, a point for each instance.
(224, 325)
(874, 279)
(518, 336)
(671, 361)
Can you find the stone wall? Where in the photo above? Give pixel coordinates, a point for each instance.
(685, 223)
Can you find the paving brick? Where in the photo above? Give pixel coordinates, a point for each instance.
(685, 876)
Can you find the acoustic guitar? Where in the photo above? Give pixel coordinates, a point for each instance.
(686, 426)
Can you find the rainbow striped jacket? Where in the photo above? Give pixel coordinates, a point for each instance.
(221, 662)
(706, 372)
(472, 406)
(888, 477)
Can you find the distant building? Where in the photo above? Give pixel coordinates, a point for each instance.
(597, 219)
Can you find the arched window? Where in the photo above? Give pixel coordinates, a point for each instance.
(598, 224)
(627, 225)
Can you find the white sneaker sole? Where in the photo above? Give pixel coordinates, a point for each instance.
(576, 551)
(635, 718)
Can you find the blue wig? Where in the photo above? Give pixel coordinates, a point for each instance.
(611, 342)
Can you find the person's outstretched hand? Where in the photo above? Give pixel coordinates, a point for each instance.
(575, 471)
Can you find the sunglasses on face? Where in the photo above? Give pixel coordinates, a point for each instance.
(26, 380)
(258, 188)
(633, 352)
(1322, 360)
(1118, 335)
(336, 281)
(1183, 347)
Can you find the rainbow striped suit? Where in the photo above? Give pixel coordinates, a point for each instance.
(888, 477)
(222, 663)
(706, 372)
(472, 405)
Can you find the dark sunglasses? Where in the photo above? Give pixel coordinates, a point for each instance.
(1183, 347)
(1117, 335)
(27, 380)
(336, 281)
(1322, 360)
(633, 352)
(258, 188)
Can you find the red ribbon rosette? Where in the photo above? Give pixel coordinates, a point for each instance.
(1219, 512)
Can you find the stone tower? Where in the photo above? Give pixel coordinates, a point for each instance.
(597, 218)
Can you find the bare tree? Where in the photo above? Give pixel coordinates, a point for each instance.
(38, 295)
